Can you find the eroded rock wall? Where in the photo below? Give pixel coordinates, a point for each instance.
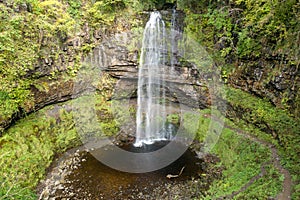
(274, 79)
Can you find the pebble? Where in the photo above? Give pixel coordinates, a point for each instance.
(60, 187)
(57, 179)
(57, 186)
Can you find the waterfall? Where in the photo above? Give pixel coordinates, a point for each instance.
(174, 32)
(151, 109)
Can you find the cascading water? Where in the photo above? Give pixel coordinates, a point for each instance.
(151, 110)
(174, 33)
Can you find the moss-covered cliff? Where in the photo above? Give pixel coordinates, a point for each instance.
(43, 43)
(255, 44)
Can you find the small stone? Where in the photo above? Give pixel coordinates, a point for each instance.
(60, 187)
(53, 192)
(45, 194)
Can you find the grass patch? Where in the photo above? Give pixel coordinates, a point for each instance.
(242, 160)
(240, 157)
(28, 147)
(259, 117)
(265, 187)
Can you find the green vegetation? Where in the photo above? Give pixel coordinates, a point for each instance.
(29, 147)
(36, 139)
(257, 23)
(232, 32)
(244, 34)
(241, 35)
(243, 160)
(270, 124)
(103, 12)
(266, 117)
(32, 31)
(173, 118)
(240, 158)
(22, 36)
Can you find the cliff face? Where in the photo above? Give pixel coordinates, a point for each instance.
(43, 45)
(56, 73)
(272, 79)
(118, 57)
(47, 74)
(254, 43)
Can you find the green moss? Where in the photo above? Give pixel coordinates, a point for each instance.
(28, 147)
(264, 116)
(243, 159)
(173, 118)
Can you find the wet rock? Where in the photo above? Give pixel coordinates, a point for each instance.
(258, 77)
(57, 185)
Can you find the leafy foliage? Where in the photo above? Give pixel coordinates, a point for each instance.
(104, 12)
(240, 158)
(33, 30)
(269, 119)
(248, 25)
(238, 32)
(27, 149)
(21, 44)
(74, 8)
(249, 30)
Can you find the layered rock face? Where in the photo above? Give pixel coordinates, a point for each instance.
(185, 85)
(272, 78)
(57, 73)
(117, 56)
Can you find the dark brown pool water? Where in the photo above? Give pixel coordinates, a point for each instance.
(93, 180)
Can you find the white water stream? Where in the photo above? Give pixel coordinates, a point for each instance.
(151, 111)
